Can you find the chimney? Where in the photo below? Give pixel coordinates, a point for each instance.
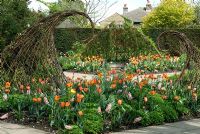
(125, 9)
(148, 6)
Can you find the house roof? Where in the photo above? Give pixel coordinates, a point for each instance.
(117, 18)
(136, 15)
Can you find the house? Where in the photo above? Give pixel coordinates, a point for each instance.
(116, 18)
(135, 16)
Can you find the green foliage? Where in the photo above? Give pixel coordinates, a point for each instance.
(181, 109)
(92, 122)
(15, 17)
(70, 61)
(73, 61)
(112, 44)
(75, 130)
(151, 42)
(4, 105)
(63, 5)
(78, 47)
(18, 103)
(145, 118)
(156, 117)
(156, 103)
(170, 14)
(93, 106)
(150, 64)
(65, 38)
(197, 13)
(192, 33)
(169, 113)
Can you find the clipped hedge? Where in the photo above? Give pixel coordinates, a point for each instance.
(65, 38)
(116, 44)
(112, 44)
(192, 33)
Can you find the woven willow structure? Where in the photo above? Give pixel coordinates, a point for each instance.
(185, 46)
(35, 46)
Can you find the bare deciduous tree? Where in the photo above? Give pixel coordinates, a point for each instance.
(97, 9)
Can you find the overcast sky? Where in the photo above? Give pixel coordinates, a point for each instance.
(118, 7)
(132, 4)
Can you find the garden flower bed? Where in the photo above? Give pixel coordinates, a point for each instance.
(73, 62)
(105, 103)
(155, 63)
(141, 64)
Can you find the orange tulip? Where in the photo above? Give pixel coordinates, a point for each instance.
(143, 83)
(28, 87)
(119, 102)
(67, 104)
(39, 90)
(94, 81)
(80, 113)
(100, 75)
(176, 98)
(165, 76)
(39, 100)
(85, 89)
(80, 96)
(69, 84)
(113, 86)
(129, 77)
(7, 85)
(153, 92)
(35, 99)
(114, 81)
(167, 57)
(62, 104)
(40, 80)
(134, 62)
(56, 98)
(81, 88)
(113, 71)
(164, 97)
(152, 76)
(78, 100)
(7, 91)
(120, 81)
(99, 90)
(21, 87)
(43, 82)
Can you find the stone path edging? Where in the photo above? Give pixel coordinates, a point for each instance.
(8, 128)
(182, 127)
(73, 75)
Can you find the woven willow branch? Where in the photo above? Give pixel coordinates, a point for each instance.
(185, 46)
(36, 46)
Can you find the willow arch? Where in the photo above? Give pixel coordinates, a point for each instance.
(35, 46)
(185, 46)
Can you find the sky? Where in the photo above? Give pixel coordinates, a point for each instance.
(131, 4)
(117, 7)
